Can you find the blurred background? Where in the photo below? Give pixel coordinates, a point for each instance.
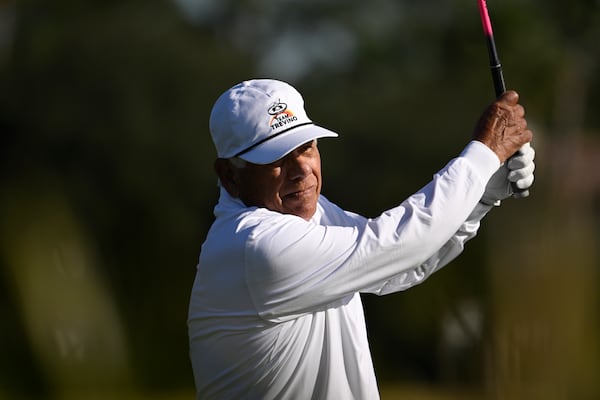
(107, 187)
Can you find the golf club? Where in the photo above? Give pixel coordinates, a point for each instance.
(496, 69)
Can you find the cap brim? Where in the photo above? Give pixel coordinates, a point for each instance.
(280, 146)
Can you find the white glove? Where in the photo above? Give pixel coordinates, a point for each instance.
(518, 169)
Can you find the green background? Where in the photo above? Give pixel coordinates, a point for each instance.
(107, 189)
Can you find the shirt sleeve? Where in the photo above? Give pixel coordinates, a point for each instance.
(448, 252)
(294, 266)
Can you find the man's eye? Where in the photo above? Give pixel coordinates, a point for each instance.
(307, 147)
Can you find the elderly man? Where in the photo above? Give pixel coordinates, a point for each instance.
(275, 310)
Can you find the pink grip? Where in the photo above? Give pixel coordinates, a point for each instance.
(485, 18)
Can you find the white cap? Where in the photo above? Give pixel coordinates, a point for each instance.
(261, 121)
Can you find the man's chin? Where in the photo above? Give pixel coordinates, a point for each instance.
(305, 211)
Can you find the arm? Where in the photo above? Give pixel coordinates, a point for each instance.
(294, 266)
(448, 252)
(504, 119)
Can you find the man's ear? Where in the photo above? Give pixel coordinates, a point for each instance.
(227, 176)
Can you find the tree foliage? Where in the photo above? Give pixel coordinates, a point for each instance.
(104, 146)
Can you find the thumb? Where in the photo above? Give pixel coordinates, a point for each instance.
(510, 97)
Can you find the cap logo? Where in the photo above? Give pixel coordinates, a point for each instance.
(281, 116)
(277, 108)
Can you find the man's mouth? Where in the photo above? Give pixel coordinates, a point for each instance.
(300, 193)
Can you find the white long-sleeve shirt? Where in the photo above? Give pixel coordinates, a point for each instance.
(275, 310)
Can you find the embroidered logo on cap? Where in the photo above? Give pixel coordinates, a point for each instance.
(281, 115)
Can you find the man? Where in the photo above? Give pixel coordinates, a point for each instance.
(275, 310)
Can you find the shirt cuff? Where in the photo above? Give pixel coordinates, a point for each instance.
(484, 159)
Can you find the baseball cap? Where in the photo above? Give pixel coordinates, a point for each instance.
(261, 121)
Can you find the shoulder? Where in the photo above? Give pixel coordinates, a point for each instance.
(332, 214)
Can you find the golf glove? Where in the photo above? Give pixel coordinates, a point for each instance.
(518, 169)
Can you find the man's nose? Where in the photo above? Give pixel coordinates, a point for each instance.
(298, 167)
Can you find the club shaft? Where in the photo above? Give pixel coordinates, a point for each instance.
(495, 67)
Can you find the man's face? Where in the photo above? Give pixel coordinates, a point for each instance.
(290, 185)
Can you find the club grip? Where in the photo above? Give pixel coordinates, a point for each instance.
(500, 88)
(498, 78)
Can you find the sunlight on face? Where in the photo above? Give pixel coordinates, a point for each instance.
(290, 185)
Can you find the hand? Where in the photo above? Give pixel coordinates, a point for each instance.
(518, 169)
(503, 127)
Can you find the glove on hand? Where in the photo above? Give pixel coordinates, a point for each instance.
(518, 169)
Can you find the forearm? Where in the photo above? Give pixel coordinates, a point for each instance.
(444, 252)
(448, 252)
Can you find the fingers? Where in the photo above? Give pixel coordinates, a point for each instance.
(521, 173)
(523, 157)
(513, 114)
(503, 127)
(526, 182)
(526, 136)
(521, 167)
(519, 111)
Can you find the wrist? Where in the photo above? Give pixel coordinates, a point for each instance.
(490, 202)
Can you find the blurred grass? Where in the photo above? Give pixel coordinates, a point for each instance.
(410, 391)
(70, 318)
(388, 391)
